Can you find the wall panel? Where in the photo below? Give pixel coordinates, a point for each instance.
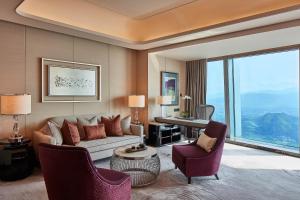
(21, 50)
(12, 68)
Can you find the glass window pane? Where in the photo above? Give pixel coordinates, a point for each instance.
(266, 99)
(215, 89)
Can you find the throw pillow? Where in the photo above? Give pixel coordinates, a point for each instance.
(112, 126)
(53, 130)
(125, 125)
(85, 122)
(95, 132)
(206, 142)
(70, 133)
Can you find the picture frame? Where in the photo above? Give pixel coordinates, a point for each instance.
(169, 86)
(50, 96)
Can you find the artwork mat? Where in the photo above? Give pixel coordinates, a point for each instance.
(173, 75)
(51, 66)
(68, 99)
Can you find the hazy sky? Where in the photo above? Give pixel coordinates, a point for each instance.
(276, 71)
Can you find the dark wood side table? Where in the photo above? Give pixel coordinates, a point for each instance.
(160, 134)
(16, 160)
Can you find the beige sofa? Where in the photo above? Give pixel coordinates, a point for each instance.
(99, 148)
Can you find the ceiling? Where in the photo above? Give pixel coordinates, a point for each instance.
(236, 45)
(144, 24)
(140, 9)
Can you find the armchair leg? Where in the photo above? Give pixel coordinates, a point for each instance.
(217, 177)
(175, 166)
(189, 180)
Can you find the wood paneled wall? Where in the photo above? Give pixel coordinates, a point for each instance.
(156, 65)
(21, 49)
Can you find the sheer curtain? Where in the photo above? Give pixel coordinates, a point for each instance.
(196, 75)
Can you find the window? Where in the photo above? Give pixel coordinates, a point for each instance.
(215, 89)
(265, 99)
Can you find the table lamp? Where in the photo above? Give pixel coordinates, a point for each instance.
(15, 105)
(163, 101)
(136, 101)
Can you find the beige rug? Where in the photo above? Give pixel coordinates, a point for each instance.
(245, 174)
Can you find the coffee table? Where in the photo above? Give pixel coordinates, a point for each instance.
(143, 166)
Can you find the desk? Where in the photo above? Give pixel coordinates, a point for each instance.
(193, 123)
(188, 123)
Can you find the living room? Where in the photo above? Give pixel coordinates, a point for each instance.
(145, 67)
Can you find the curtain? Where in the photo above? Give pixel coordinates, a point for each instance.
(195, 85)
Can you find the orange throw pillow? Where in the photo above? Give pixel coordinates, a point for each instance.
(112, 126)
(94, 132)
(70, 133)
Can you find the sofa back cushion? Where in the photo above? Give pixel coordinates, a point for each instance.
(112, 125)
(81, 122)
(125, 125)
(70, 133)
(73, 118)
(95, 132)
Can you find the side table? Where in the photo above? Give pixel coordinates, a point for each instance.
(160, 134)
(16, 160)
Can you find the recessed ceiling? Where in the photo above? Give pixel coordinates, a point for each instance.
(164, 20)
(139, 9)
(236, 45)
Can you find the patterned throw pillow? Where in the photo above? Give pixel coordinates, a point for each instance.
(95, 132)
(112, 125)
(70, 133)
(81, 122)
(125, 125)
(206, 142)
(53, 130)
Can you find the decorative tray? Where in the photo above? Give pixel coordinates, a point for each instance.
(140, 147)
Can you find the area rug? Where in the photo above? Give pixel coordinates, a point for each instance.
(245, 174)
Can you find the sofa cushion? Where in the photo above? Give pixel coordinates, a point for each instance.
(73, 118)
(53, 130)
(183, 152)
(81, 122)
(125, 125)
(108, 143)
(94, 132)
(112, 125)
(70, 133)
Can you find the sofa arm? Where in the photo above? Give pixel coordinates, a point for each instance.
(137, 129)
(40, 137)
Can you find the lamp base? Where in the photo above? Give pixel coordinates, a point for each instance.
(15, 139)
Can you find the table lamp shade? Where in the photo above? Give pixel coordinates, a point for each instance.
(164, 100)
(16, 104)
(136, 101)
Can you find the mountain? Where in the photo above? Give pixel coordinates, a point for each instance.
(273, 128)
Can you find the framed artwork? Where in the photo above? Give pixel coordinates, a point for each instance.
(67, 81)
(169, 86)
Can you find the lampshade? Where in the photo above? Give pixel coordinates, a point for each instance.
(164, 100)
(136, 101)
(16, 104)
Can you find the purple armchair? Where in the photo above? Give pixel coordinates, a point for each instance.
(194, 161)
(70, 174)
